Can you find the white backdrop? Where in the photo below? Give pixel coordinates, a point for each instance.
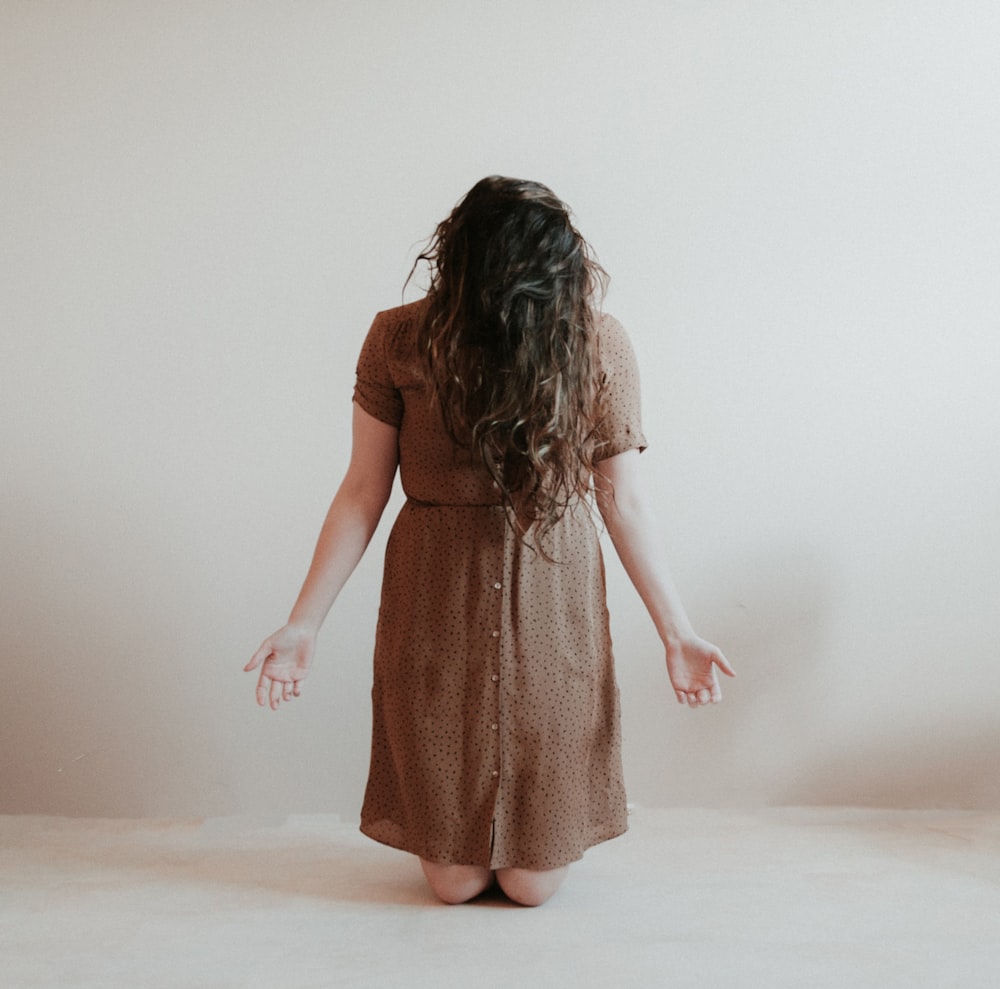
(203, 205)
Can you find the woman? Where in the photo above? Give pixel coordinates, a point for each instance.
(509, 405)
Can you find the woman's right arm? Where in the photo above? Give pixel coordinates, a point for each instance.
(284, 658)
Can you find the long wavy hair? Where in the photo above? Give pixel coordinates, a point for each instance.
(510, 344)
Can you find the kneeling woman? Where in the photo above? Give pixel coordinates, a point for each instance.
(510, 405)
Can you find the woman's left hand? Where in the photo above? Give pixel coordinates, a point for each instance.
(692, 664)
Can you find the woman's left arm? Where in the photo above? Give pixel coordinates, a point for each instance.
(691, 661)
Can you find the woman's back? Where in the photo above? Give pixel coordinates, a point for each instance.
(393, 387)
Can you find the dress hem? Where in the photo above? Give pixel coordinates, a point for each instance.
(597, 839)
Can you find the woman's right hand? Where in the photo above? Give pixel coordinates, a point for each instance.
(284, 659)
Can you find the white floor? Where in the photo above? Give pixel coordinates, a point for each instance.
(788, 897)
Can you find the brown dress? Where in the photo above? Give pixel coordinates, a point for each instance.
(495, 736)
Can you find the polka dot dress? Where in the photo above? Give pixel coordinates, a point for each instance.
(495, 736)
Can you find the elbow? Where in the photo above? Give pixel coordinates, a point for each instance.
(368, 506)
(620, 503)
(374, 507)
(363, 504)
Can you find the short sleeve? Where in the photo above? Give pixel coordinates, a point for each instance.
(620, 428)
(374, 389)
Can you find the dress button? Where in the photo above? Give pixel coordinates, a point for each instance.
(494, 726)
(495, 774)
(495, 677)
(497, 586)
(495, 634)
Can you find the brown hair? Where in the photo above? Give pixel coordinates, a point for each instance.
(509, 343)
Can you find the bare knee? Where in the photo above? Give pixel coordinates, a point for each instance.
(456, 883)
(531, 887)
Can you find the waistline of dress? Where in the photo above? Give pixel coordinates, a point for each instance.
(495, 506)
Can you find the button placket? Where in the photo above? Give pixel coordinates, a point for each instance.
(499, 586)
(494, 726)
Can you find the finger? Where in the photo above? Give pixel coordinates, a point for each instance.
(286, 692)
(704, 695)
(692, 699)
(262, 690)
(723, 664)
(259, 656)
(276, 688)
(716, 690)
(296, 688)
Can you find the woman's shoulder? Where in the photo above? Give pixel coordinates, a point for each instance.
(406, 311)
(608, 326)
(398, 327)
(613, 344)
(408, 314)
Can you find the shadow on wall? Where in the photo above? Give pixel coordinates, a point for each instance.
(804, 723)
(97, 716)
(771, 616)
(942, 764)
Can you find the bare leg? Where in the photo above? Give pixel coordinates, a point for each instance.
(456, 883)
(530, 887)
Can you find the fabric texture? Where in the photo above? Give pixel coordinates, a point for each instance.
(495, 735)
